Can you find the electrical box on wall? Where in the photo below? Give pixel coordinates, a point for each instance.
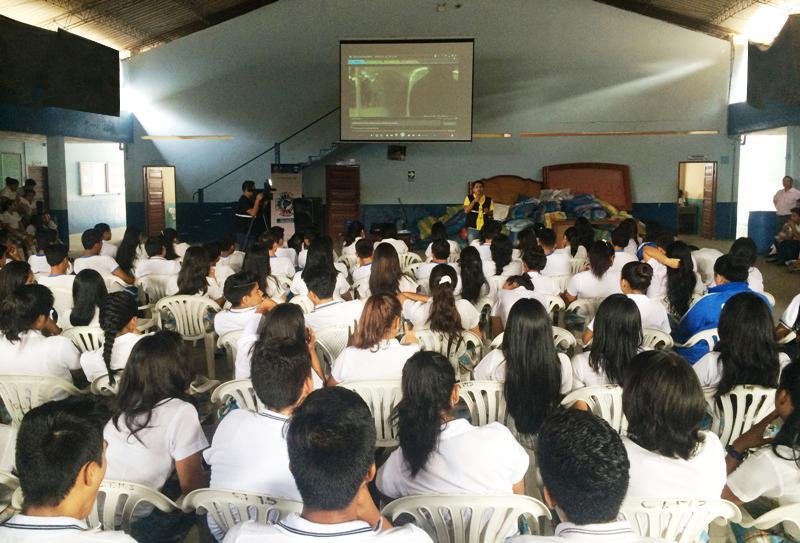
(412, 176)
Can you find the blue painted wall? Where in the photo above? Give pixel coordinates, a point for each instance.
(53, 121)
(86, 211)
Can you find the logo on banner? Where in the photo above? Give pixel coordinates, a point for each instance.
(284, 205)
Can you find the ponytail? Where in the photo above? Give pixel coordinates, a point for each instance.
(444, 317)
(115, 314)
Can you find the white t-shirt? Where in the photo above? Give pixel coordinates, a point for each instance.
(362, 272)
(558, 263)
(493, 368)
(582, 373)
(384, 362)
(99, 263)
(65, 319)
(506, 298)
(280, 265)
(38, 264)
(92, 361)
(543, 284)
(621, 258)
(424, 270)
(296, 528)
(156, 265)
(632, 247)
(455, 248)
(341, 288)
(27, 529)
(763, 473)
(214, 291)
(419, 313)
(709, 368)
(335, 312)
(484, 249)
(399, 245)
(755, 280)
(655, 476)
(173, 434)
(287, 253)
(234, 260)
(35, 354)
(704, 260)
(108, 249)
(586, 285)
(180, 249)
(512, 268)
(467, 460)
(234, 319)
(653, 313)
(57, 281)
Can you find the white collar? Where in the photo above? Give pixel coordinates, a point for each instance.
(274, 415)
(610, 530)
(27, 522)
(455, 428)
(296, 524)
(243, 309)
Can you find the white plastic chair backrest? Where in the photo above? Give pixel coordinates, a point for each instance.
(228, 341)
(424, 285)
(695, 297)
(469, 518)
(788, 515)
(154, 286)
(408, 261)
(9, 481)
(485, 401)
(283, 282)
(496, 342)
(189, 313)
(554, 303)
(738, 410)
(304, 302)
(381, 397)
(85, 338)
(350, 261)
(605, 401)
(332, 340)
(561, 281)
(585, 307)
(453, 350)
(101, 386)
(21, 393)
(563, 339)
(770, 298)
(656, 339)
(710, 336)
(682, 521)
(241, 391)
(117, 501)
(62, 300)
(113, 283)
(576, 265)
(453, 258)
(228, 507)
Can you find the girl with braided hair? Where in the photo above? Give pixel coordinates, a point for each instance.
(118, 321)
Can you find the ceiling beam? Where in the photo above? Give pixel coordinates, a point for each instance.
(685, 21)
(195, 7)
(736, 7)
(101, 17)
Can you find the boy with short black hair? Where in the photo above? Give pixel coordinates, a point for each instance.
(331, 444)
(620, 239)
(59, 276)
(38, 262)
(364, 253)
(228, 255)
(92, 259)
(247, 303)
(278, 265)
(108, 248)
(60, 461)
(156, 263)
(328, 311)
(558, 262)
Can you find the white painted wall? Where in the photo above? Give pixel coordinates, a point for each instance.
(762, 165)
(540, 66)
(86, 211)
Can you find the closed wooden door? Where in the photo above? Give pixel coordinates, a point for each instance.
(709, 213)
(342, 197)
(156, 179)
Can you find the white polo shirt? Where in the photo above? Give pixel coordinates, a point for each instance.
(653, 475)
(63, 281)
(506, 298)
(709, 368)
(156, 265)
(484, 249)
(467, 460)
(610, 532)
(221, 273)
(230, 320)
(586, 285)
(25, 529)
(621, 258)
(99, 263)
(362, 272)
(173, 433)
(385, 361)
(512, 268)
(558, 263)
(287, 253)
(299, 287)
(785, 200)
(755, 280)
(653, 313)
(38, 264)
(108, 249)
(399, 245)
(234, 260)
(180, 249)
(35, 354)
(214, 291)
(764, 473)
(493, 368)
(335, 312)
(92, 361)
(543, 284)
(419, 313)
(455, 248)
(296, 528)
(582, 373)
(424, 270)
(280, 265)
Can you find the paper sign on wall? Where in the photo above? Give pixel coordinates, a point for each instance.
(287, 180)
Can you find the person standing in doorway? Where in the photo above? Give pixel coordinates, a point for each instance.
(478, 209)
(246, 210)
(784, 200)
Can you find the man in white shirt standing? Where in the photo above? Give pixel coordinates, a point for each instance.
(60, 461)
(328, 311)
(584, 469)
(331, 442)
(558, 263)
(92, 259)
(784, 200)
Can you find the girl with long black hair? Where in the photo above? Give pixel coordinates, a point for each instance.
(599, 280)
(386, 276)
(89, 293)
(535, 374)
(194, 278)
(440, 454)
(129, 250)
(320, 257)
(490, 229)
(439, 232)
(355, 231)
(502, 250)
(118, 321)
(617, 339)
(682, 282)
(473, 281)
(14, 274)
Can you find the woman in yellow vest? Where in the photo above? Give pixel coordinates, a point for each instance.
(478, 208)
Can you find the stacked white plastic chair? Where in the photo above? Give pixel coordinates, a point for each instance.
(409, 262)
(457, 351)
(331, 341)
(229, 342)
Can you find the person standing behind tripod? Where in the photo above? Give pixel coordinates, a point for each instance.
(246, 210)
(478, 209)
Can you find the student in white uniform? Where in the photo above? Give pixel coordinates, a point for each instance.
(195, 277)
(790, 320)
(156, 263)
(13, 275)
(280, 265)
(320, 256)
(327, 310)
(746, 353)
(536, 375)
(277, 233)
(474, 284)
(440, 454)
(331, 443)
(502, 251)
(584, 470)
(91, 258)
(558, 262)
(617, 339)
(118, 321)
(386, 276)
(619, 240)
(631, 228)
(355, 233)
(599, 280)
(440, 255)
(59, 276)
(130, 250)
(60, 480)
(746, 249)
(228, 254)
(772, 470)
(24, 350)
(108, 248)
(175, 247)
(484, 243)
(38, 261)
(363, 251)
(390, 236)
(309, 235)
(681, 282)
(439, 232)
(248, 452)
(155, 431)
(244, 294)
(374, 353)
(669, 454)
(89, 293)
(636, 277)
(441, 312)
(516, 288)
(704, 260)
(534, 262)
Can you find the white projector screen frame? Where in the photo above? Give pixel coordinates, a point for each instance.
(453, 122)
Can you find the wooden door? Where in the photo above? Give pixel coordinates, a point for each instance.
(342, 197)
(709, 212)
(39, 174)
(154, 199)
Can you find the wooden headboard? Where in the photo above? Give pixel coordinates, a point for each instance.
(505, 189)
(609, 182)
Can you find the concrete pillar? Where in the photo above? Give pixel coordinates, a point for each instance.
(57, 183)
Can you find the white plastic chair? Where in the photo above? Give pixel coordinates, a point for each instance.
(554, 303)
(117, 501)
(585, 308)
(21, 393)
(351, 262)
(470, 518)
(788, 515)
(485, 401)
(153, 287)
(605, 401)
(228, 507)
(9, 481)
(710, 336)
(281, 282)
(331, 341)
(409, 262)
(241, 391)
(682, 521)
(737, 411)
(101, 386)
(563, 339)
(85, 338)
(561, 281)
(62, 302)
(190, 313)
(381, 397)
(576, 265)
(304, 302)
(228, 341)
(114, 283)
(770, 298)
(656, 339)
(456, 351)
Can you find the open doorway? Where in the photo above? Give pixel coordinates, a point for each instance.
(762, 165)
(697, 198)
(159, 198)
